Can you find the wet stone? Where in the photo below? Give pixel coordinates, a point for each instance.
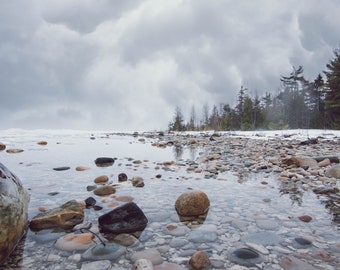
(104, 161)
(202, 236)
(246, 257)
(300, 242)
(63, 168)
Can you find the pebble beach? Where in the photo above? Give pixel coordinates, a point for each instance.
(272, 194)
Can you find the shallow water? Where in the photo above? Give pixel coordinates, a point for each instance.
(239, 206)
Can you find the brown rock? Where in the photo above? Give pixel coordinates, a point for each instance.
(42, 143)
(2, 146)
(82, 168)
(324, 163)
(122, 177)
(14, 150)
(65, 217)
(72, 241)
(199, 260)
(124, 199)
(137, 181)
(305, 218)
(101, 179)
(104, 190)
(192, 203)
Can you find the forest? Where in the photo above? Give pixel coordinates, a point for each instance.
(298, 103)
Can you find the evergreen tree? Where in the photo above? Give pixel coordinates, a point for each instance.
(332, 101)
(178, 122)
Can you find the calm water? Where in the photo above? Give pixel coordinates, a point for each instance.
(236, 206)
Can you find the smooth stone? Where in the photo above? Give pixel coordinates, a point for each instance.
(137, 181)
(14, 150)
(63, 168)
(102, 265)
(101, 179)
(104, 190)
(300, 243)
(246, 257)
(66, 216)
(14, 200)
(90, 201)
(72, 242)
(178, 242)
(305, 218)
(200, 260)
(127, 218)
(202, 236)
(2, 146)
(82, 168)
(42, 143)
(151, 254)
(262, 238)
(111, 251)
(192, 203)
(258, 248)
(122, 177)
(142, 264)
(104, 161)
(125, 239)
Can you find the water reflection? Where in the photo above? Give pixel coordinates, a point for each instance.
(181, 152)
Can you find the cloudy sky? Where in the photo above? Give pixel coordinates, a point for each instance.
(126, 65)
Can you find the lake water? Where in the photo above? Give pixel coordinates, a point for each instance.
(239, 208)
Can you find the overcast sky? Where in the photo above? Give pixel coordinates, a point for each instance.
(126, 65)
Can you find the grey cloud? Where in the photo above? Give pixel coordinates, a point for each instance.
(127, 64)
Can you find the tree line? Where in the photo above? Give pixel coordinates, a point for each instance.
(298, 103)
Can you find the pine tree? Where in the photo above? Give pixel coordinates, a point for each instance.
(332, 101)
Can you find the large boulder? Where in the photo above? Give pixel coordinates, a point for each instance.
(66, 216)
(300, 162)
(14, 201)
(193, 203)
(128, 218)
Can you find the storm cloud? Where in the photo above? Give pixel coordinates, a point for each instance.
(126, 65)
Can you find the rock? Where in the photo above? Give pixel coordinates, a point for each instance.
(101, 179)
(192, 203)
(332, 159)
(72, 242)
(42, 143)
(104, 161)
(150, 254)
(90, 201)
(14, 150)
(246, 257)
(82, 168)
(142, 264)
(300, 162)
(324, 163)
(305, 218)
(109, 251)
(127, 218)
(124, 199)
(199, 260)
(202, 236)
(66, 216)
(2, 146)
(63, 168)
(333, 171)
(14, 201)
(104, 190)
(122, 177)
(137, 181)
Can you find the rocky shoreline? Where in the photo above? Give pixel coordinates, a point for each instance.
(223, 240)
